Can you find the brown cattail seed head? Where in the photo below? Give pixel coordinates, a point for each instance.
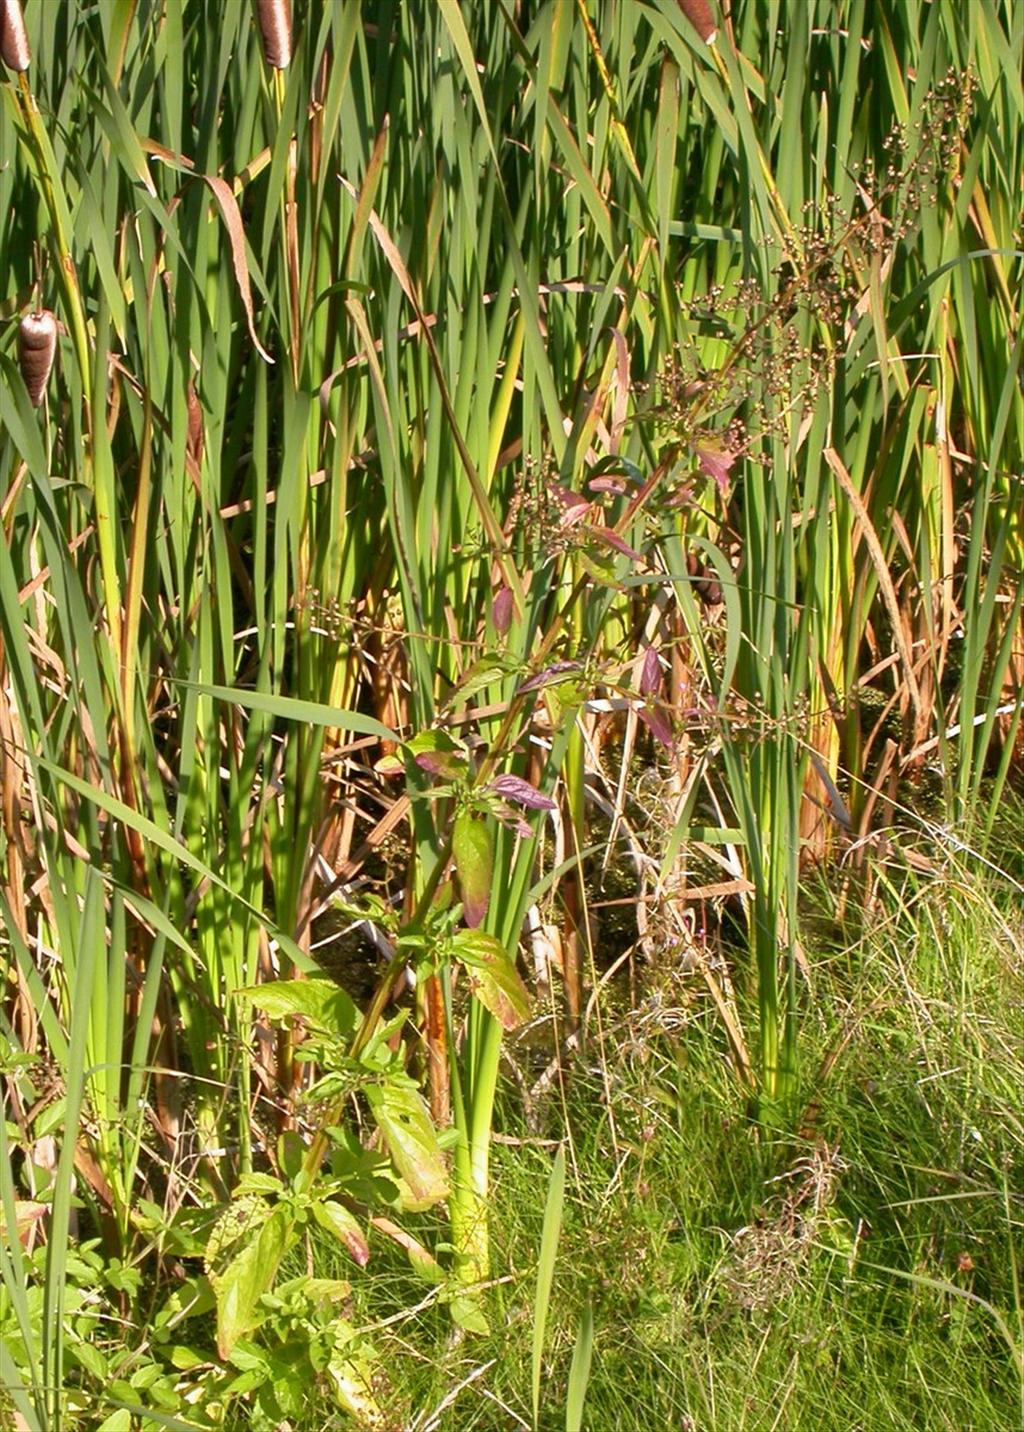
(37, 343)
(709, 588)
(276, 29)
(698, 12)
(13, 39)
(704, 581)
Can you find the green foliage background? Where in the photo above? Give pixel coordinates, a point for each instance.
(429, 382)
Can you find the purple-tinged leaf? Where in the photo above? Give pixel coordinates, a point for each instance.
(27, 1214)
(607, 484)
(567, 497)
(716, 465)
(650, 673)
(613, 539)
(424, 1265)
(501, 611)
(514, 788)
(556, 671)
(441, 763)
(438, 753)
(657, 725)
(575, 515)
(574, 505)
(682, 497)
(512, 820)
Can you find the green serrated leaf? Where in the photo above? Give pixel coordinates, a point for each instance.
(184, 1358)
(563, 700)
(467, 1313)
(193, 1298)
(483, 673)
(164, 1395)
(291, 1153)
(119, 1421)
(243, 1217)
(145, 1376)
(435, 742)
(402, 1117)
(493, 976)
(247, 1277)
(596, 565)
(354, 1372)
(321, 1292)
(477, 947)
(473, 851)
(257, 1183)
(247, 1356)
(321, 1001)
(90, 1358)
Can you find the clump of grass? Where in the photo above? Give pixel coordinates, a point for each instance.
(859, 1276)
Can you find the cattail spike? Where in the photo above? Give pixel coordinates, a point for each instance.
(698, 12)
(276, 29)
(37, 343)
(13, 38)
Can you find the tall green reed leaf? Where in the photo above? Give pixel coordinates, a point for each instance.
(548, 1255)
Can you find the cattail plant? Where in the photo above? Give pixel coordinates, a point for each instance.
(13, 39)
(37, 343)
(276, 29)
